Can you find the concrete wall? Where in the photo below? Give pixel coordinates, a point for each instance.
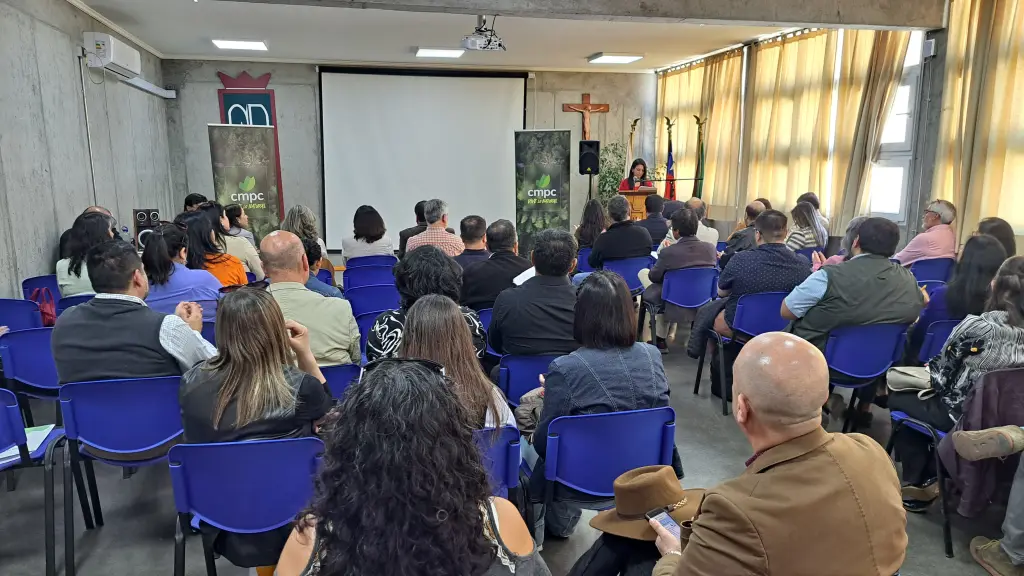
(46, 178)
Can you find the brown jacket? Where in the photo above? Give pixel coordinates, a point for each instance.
(819, 504)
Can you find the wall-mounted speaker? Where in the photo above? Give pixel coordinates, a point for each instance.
(145, 219)
(590, 157)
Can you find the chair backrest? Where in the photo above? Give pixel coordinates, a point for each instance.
(72, 301)
(325, 276)
(589, 452)
(47, 281)
(340, 377)
(20, 314)
(935, 339)
(485, 317)
(365, 322)
(930, 285)
(209, 331)
(517, 375)
(628, 268)
(12, 426)
(865, 351)
(367, 276)
(933, 269)
(759, 313)
(375, 297)
(501, 456)
(250, 277)
(122, 416)
(27, 358)
(370, 261)
(581, 260)
(690, 287)
(721, 246)
(245, 487)
(809, 252)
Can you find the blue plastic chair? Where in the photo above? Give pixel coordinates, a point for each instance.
(209, 332)
(809, 252)
(517, 375)
(365, 322)
(501, 457)
(250, 277)
(581, 260)
(72, 301)
(12, 433)
(28, 361)
(721, 246)
(20, 314)
(687, 288)
(325, 276)
(220, 483)
(370, 261)
(376, 297)
(755, 315)
(935, 338)
(863, 353)
(485, 320)
(628, 268)
(28, 285)
(340, 377)
(933, 269)
(930, 285)
(367, 276)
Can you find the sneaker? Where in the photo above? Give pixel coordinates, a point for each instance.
(993, 558)
(916, 506)
(925, 493)
(989, 443)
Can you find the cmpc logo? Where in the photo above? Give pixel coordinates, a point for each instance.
(247, 195)
(543, 189)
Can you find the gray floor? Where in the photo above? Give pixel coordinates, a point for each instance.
(139, 512)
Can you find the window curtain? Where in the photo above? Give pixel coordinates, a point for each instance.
(980, 160)
(871, 67)
(679, 99)
(790, 101)
(721, 101)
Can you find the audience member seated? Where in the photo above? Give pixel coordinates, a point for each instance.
(170, 281)
(807, 230)
(253, 390)
(770, 520)
(333, 333)
(744, 238)
(937, 240)
(239, 223)
(233, 245)
(623, 239)
(704, 233)
(537, 317)
(965, 294)
(421, 225)
(62, 246)
(402, 489)
(610, 372)
(314, 258)
(436, 214)
(192, 202)
(992, 341)
(592, 224)
(845, 246)
(205, 254)
(89, 230)
(687, 252)
(301, 221)
(1000, 230)
(472, 230)
(761, 204)
(483, 281)
(656, 224)
(424, 270)
(812, 199)
(435, 330)
(369, 236)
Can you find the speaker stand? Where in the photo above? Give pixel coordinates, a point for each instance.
(590, 188)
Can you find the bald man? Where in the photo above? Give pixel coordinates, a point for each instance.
(704, 233)
(809, 502)
(744, 238)
(333, 332)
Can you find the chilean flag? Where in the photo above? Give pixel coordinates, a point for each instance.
(670, 176)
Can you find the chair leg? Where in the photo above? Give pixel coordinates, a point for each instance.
(26, 410)
(69, 512)
(947, 537)
(892, 437)
(722, 384)
(850, 422)
(94, 493)
(59, 416)
(211, 563)
(700, 369)
(76, 470)
(654, 327)
(12, 479)
(48, 511)
(179, 544)
(641, 316)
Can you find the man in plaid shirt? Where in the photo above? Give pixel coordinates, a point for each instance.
(435, 212)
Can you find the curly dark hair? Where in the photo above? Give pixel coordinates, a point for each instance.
(427, 270)
(402, 481)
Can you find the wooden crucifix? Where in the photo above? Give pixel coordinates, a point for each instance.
(586, 108)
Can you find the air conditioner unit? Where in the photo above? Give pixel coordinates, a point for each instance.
(106, 51)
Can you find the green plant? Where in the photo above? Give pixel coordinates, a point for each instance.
(613, 164)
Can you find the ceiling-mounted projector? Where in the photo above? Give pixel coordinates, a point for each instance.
(483, 38)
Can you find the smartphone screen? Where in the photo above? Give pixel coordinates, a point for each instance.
(665, 520)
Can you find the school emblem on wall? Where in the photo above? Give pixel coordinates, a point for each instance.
(246, 101)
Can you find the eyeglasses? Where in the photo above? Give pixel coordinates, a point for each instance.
(428, 364)
(257, 285)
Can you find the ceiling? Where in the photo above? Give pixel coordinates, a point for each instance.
(183, 29)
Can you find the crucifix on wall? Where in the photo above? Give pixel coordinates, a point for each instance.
(586, 108)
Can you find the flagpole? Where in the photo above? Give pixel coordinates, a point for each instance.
(670, 186)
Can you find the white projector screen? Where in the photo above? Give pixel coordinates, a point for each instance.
(392, 140)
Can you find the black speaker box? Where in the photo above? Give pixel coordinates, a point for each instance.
(145, 219)
(590, 157)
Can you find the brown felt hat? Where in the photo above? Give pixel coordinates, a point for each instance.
(639, 491)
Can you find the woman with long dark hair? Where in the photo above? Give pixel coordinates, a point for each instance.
(170, 281)
(89, 229)
(205, 254)
(229, 244)
(369, 235)
(1000, 230)
(435, 330)
(637, 177)
(807, 231)
(403, 490)
(592, 224)
(238, 223)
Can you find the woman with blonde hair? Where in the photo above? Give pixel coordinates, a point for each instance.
(436, 330)
(253, 390)
(301, 221)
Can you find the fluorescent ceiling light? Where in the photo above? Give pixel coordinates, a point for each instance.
(239, 45)
(607, 58)
(440, 53)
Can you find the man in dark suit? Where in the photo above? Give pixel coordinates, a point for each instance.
(687, 252)
(655, 223)
(483, 281)
(421, 225)
(623, 239)
(744, 239)
(472, 230)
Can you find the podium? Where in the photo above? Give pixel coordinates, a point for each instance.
(637, 210)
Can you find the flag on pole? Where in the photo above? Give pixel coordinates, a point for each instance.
(670, 176)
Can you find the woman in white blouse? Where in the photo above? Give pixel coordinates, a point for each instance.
(89, 229)
(369, 236)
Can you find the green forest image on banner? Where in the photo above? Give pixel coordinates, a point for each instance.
(245, 173)
(542, 184)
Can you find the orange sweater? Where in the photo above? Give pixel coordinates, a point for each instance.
(227, 269)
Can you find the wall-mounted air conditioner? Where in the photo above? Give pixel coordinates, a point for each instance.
(106, 51)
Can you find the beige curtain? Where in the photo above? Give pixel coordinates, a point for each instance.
(721, 101)
(679, 98)
(790, 108)
(980, 160)
(871, 68)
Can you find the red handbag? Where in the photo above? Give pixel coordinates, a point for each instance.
(47, 307)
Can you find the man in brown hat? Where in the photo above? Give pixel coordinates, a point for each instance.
(810, 502)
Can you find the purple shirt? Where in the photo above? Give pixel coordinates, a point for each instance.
(939, 241)
(185, 285)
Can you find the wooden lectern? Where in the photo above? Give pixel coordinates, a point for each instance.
(636, 201)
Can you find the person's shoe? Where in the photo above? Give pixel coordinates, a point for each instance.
(661, 344)
(989, 443)
(882, 401)
(992, 558)
(916, 506)
(925, 493)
